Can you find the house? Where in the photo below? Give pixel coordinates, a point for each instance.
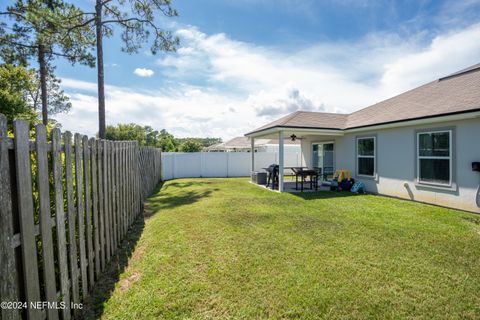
(419, 145)
(242, 144)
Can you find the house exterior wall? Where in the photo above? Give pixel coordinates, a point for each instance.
(288, 148)
(396, 163)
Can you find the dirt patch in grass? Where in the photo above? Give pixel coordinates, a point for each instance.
(473, 220)
(126, 283)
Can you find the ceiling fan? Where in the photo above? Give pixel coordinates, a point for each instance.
(293, 137)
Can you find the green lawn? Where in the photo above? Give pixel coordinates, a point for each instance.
(226, 249)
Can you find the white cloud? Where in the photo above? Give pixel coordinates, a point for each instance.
(143, 72)
(78, 85)
(222, 87)
(186, 111)
(446, 53)
(293, 102)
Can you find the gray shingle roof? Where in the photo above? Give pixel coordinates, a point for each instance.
(456, 93)
(304, 119)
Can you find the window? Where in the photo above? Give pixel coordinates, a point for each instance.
(366, 156)
(434, 157)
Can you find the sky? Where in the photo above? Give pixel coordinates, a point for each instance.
(244, 63)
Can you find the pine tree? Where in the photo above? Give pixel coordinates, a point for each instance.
(137, 21)
(46, 29)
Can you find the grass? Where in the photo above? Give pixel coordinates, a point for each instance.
(226, 249)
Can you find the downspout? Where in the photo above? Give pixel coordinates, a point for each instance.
(477, 197)
(476, 167)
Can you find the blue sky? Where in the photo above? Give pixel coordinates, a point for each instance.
(243, 63)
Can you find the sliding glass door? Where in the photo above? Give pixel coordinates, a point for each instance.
(323, 158)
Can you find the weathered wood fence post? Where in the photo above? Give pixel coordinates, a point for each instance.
(8, 268)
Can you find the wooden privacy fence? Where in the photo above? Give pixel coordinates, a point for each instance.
(150, 160)
(65, 206)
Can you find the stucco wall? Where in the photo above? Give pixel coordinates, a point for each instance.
(396, 164)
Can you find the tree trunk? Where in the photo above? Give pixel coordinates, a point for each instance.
(43, 83)
(100, 74)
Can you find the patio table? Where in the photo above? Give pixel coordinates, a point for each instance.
(304, 172)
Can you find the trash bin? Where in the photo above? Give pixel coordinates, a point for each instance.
(259, 177)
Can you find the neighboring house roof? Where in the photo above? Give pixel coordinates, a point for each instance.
(244, 143)
(456, 93)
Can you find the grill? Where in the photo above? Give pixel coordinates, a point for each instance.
(272, 177)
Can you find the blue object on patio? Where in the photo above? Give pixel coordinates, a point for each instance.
(358, 187)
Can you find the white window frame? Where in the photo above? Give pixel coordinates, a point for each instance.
(449, 158)
(374, 156)
(323, 142)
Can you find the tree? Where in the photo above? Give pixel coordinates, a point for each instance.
(190, 146)
(166, 141)
(129, 131)
(13, 95)
(46, 29)
(205, 142)
(136, 22)
(57, 100)
(147, 136)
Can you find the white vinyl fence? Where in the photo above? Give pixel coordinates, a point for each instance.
(219, 164)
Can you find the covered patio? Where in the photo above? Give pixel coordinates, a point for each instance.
(290, 187)
(317, 133)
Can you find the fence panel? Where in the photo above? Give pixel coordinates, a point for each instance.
(187, 165)
(220, 164)
(81, 212)
(149, 170)
(88, 209)
(101, 204)
(45, 218)
(115, 194)
(213, 164)
(238, 164)
(107, 187)
(66, 208)
(96, 242)
(8, 271)
(26, 215)
(71, 218)
(60, 218)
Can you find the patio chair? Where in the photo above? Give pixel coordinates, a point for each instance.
(313, 176)
(327, 172)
